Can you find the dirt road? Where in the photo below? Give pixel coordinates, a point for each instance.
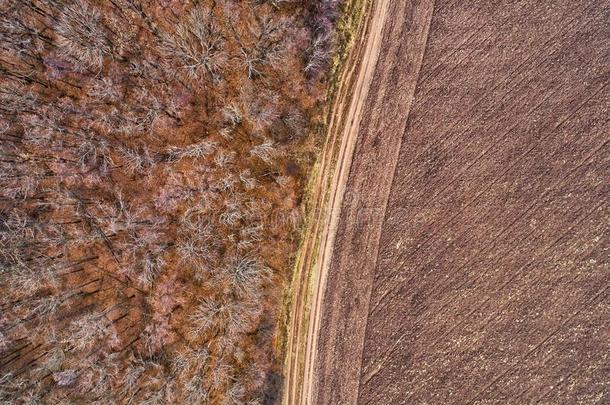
(466, 255)
(326, 200)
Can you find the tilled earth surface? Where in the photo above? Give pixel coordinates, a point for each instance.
(472, 257)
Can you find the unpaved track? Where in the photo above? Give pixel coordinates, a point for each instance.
(360, 220)
(326, 199)
(396, 20)
(466, 258)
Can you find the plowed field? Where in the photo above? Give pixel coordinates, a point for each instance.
(471, 260)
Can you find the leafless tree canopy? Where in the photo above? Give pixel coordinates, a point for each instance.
(147, 216)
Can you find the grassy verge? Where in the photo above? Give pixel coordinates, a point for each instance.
(348, 25)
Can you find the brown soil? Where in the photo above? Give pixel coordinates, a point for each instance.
(470, 262)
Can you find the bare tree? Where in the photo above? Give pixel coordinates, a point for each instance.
(261, 46)
(247, 274)
(265, 151)
(64, 378)
(197, 45)
(197, 150)
(82, 35)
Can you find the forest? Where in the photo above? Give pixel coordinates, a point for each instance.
(153, 162)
